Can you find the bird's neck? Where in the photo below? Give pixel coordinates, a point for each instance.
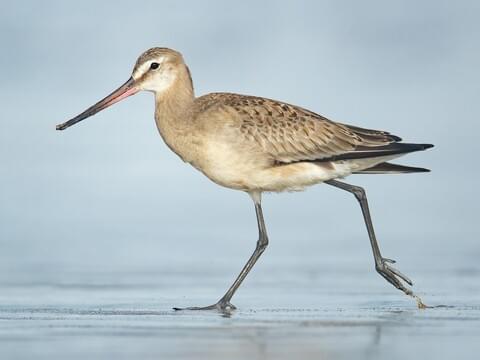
(174, 109)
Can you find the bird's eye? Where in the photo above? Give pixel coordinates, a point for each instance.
(154, 65)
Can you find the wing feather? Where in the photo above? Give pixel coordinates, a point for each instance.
(290, 133)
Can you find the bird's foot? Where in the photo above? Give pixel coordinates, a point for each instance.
(223, 306)
(393, 276)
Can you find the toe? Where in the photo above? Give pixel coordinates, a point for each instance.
(220, 306)
(400, 275)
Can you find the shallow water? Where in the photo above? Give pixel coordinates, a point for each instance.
(309, 311)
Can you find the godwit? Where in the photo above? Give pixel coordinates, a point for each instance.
(257, 145)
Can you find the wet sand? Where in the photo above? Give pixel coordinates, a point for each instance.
(285, 311)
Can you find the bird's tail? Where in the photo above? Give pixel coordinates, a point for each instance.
(389, 168)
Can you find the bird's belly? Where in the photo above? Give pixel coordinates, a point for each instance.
(287, 177)
(239, 173)
(294, 177)
(298, 176)
(253, 170)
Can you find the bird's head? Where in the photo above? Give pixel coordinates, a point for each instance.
(156, 70)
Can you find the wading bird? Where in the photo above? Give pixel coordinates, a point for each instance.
(257, 145)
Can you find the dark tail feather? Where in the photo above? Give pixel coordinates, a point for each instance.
(377, 151)
(389, 168)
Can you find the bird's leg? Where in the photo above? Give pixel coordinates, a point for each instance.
(224, 304)
(382, 265)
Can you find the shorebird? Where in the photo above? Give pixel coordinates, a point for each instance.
(256, 145)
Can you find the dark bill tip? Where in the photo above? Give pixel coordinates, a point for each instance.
(121, 93)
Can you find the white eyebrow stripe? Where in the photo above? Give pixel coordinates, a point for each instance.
(142, 69)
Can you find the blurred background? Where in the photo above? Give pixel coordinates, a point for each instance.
(109, 188)
(106, 201)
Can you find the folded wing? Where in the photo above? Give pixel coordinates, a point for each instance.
(292, 134)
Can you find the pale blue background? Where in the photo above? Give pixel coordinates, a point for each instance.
(108, 196)
(111, 185)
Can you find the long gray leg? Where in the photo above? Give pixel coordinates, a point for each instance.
(224, 303)
(382, 266)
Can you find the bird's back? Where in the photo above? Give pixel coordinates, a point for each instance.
(290, 133)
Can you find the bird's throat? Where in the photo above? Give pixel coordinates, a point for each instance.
(173, 113)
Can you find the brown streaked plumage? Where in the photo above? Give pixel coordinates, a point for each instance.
(256, 144)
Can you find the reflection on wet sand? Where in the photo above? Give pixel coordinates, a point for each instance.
(332, 316)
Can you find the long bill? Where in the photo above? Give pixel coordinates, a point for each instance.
(121, 93)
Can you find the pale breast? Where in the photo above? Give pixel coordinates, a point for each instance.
(230, 162)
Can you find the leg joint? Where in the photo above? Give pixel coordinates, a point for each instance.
(262, 243)
(359, 193)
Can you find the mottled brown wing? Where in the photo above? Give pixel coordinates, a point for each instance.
(289, 133)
